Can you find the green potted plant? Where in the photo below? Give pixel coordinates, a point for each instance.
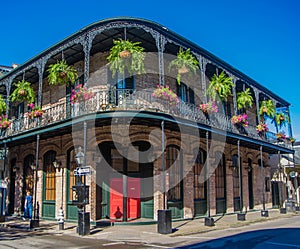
(126, 55)
(267, 108)
(184, 63)
(23, 92)
(2, 105)
(292, 140)
(61, 73)
(244, 99)
(280, 119)
(221, 85)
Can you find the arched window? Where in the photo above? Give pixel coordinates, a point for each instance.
(49, 174)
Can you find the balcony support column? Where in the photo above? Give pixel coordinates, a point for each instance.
(234, 95)
(87, 45)
(203, 63)
(256, 93)
(160, 44)
(40, 67)
(8, 84)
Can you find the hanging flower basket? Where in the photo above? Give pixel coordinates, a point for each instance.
(81, 93)
(241, 119)
(4, 122)
(280, 136)
(166, 94)
(262, 128)
(209, 107)
(292, 140)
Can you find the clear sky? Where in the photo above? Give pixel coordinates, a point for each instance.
(260, 38)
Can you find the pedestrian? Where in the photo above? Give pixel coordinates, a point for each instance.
(28, 206)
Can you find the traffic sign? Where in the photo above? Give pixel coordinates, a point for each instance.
(83, 170)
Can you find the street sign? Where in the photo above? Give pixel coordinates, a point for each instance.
(83, 170)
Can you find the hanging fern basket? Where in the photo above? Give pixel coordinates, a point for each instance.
(125, 54)
(61, 73)
(23, 92)
(183, 70)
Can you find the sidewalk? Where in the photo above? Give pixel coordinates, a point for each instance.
(148, 233)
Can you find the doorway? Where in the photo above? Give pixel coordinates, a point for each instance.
(117, 198)
(250, 184)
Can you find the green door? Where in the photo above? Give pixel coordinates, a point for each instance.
(72, 210)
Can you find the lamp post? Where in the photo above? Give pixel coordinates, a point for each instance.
(164, 224)
(82, 197)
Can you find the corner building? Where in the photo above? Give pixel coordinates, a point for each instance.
(125, 133)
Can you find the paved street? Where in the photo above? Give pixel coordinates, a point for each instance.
(283, 233)
(276, 231)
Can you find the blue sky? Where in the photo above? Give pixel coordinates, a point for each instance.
(260, 38)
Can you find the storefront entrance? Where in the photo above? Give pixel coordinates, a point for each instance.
(126, 191)
(118, 198)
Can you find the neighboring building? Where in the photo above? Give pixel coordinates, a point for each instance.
(4, 70)
(123, 121)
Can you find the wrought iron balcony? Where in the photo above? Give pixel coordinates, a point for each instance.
(129, 99)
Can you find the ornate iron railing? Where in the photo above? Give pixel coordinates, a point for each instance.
(129, 99)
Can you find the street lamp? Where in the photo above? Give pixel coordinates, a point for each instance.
(79, 157)
(82, 192)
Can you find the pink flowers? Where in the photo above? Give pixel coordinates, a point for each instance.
(165, 93)
(81, 93)
(280, 135)
(209, 107)
(262, 127)
(4, 122)
(241, 119)
(35, 112)
(31, 105)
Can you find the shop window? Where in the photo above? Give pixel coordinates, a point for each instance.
(50, 179)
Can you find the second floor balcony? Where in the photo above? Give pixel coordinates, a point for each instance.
(132, 100)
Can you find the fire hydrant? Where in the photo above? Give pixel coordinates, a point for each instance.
(60, 219)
